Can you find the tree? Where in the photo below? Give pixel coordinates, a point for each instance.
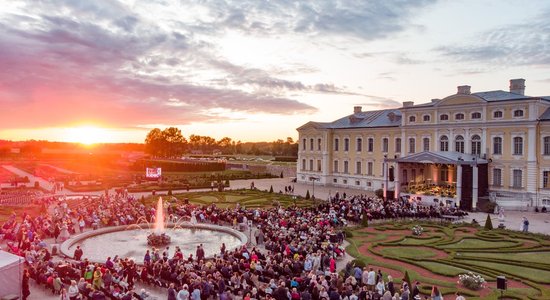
(488, 223)
(154, 142)
(307, 195)
(271, 189)
(407, 279)
(174, 142)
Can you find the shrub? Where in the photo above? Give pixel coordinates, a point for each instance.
(488, 223)
(365, 221)
(471, 280)
(170, 192)
(417, 230)
(359, 263)
(307, 195)
(271, 189)
(407, 279)
(227, 182)
(379, 193)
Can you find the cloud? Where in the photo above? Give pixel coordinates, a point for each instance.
(525, 44)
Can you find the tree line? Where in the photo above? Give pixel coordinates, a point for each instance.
(170, 143)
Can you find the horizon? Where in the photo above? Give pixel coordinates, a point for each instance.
(108, 72)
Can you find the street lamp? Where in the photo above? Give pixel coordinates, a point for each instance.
(313, 179)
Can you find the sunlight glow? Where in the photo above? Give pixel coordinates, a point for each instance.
(87, 135)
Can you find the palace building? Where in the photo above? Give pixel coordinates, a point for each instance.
(459, 150)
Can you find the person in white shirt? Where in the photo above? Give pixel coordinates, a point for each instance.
(371, 280)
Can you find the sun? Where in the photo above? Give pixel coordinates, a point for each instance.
(87, 135)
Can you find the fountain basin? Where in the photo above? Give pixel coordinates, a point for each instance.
(99, 244)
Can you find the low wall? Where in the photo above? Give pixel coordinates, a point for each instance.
(65, 246)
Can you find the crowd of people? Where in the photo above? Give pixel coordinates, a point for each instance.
(293, 253)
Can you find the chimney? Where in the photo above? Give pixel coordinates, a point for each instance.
(356, 109)
(517, 86)
(463, 90)
(408, 103)
(435, 100)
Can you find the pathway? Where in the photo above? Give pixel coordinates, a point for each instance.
(32, 179)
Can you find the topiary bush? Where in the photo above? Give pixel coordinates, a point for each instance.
(271, 189)
(379, 193)
(488, 223)
(307, 195)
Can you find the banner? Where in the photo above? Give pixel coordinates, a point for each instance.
(153, 172)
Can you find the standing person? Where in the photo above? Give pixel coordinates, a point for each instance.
(25, 285)
(459, 296)
(391, 287)
(371, 279)
(73, 291)
(171, 292)
(184, 293)
(416, 289)
(436, 294)
(525, 224)
(78, 253)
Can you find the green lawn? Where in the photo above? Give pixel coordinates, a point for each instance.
(489, 253)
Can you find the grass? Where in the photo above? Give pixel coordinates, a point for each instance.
(520, 257)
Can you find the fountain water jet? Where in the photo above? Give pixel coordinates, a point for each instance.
(158, 237)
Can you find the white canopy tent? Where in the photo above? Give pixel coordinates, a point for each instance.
(11, 274)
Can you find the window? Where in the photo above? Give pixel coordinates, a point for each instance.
(497, 177)
(497, 145)
(443, 143)
(426, 144)
(311, 164)
(385, 143)
(412, 145)
(476, 115)
(518, 145)
(412, 119)
(398, 145)
(357, 182)
(359, 146)
(346, 144)
(444, 117)
(517, 179)
(335, 167)
(318, 165)
(346, 167)
(497, 114)
(304, 144)
(369, 168)
(476, 145)
(318, 144)
(311, 144)
(358, 167)
(335, 180)
(459, 116)
(345, 181)
(303, 164)
(336, 144)
(426, 118)
(370, 145)
(459, 144)
(545, 179)
(546, 142)
(518, 113)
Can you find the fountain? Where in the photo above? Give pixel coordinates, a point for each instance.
(158, 237)
(133, 240)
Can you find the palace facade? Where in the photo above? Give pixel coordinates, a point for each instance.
(458, 150)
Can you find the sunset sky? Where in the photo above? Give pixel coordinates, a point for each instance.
(251, 70)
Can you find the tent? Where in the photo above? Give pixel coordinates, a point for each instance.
(11, 274)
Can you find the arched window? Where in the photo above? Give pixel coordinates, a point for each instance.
(476, 145)
(518, 113)
(412, 119)
(459, 144)
(443, 143)
(518, 145)
(497, 114)
(459, 116)
(444, 117)
(426, 118)
(476, 115)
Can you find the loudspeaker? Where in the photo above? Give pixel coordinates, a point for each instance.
(501, 282)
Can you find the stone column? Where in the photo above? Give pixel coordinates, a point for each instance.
(458, 184)
(397, 181)
(474, 186)
(385, 170)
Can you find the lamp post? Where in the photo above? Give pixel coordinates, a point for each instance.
(313, 179)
